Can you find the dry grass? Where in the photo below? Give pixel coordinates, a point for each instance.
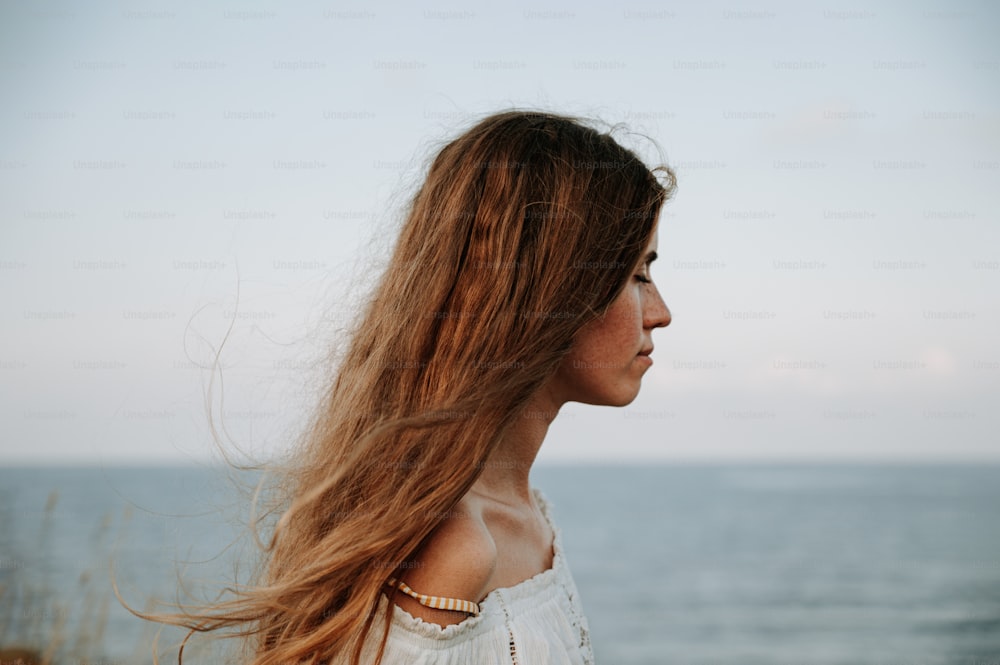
(38, 625)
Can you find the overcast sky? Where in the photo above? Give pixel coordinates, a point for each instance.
(831, 259)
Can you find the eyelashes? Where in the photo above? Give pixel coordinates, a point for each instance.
(643, 279)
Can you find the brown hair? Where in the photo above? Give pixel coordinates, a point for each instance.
(527, 226)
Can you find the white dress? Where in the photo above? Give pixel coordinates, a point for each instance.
(539, 621)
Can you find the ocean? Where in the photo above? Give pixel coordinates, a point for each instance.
(755, 564)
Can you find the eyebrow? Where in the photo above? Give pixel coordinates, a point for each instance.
(652, 256)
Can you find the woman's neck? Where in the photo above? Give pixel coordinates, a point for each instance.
(505, 478)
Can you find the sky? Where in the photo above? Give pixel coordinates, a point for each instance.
(174, 175)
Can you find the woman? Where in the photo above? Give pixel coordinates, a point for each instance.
(520, 281)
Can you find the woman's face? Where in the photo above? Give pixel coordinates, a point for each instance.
(610, 354)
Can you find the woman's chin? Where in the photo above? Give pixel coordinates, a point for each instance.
(618, 399)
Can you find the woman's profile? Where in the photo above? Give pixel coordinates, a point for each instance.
(410, 532)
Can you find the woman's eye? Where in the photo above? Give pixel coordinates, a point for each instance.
(643, 279)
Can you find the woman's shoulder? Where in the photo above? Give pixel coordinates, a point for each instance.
(457, 561)
(544, 610)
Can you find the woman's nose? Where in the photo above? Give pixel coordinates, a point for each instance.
(657, 314)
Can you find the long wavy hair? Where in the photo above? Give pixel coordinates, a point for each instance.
(527, 226)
